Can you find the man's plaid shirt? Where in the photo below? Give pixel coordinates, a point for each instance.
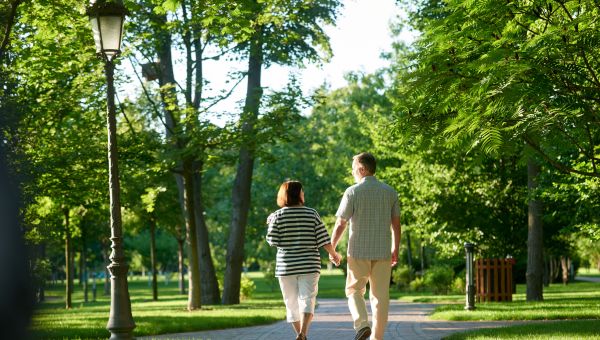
(369, 206)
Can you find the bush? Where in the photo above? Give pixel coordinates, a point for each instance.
(459, 285)
(402, 276)
(417, 285)
(247, 287)
(439, 279)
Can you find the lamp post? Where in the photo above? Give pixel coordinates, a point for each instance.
(470, 298)
(106, 18)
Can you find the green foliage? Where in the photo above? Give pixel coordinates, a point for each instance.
(401, 276)
(459, 285)
(247, 287)
(417, 285)
(487, 76)
(439, 278)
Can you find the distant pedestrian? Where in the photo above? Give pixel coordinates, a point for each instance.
(373, 210)
(298, 232)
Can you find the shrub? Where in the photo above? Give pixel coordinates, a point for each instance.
(247, 287)
(417, 285)
(402, 276)
(459, 285)
(439, 279)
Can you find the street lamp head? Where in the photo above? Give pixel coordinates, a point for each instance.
(107, 18)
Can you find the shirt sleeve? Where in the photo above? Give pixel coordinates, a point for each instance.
(321, 234)
(273, 236)
(346, 209)
(396, 208)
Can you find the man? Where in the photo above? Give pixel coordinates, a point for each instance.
(371, 207)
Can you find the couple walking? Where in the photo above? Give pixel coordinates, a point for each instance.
(372, 208)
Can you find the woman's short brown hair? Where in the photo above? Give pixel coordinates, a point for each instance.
(289, 194)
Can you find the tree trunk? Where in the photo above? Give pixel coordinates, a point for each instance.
(547, 271)
(564, 264)
(192, 240)
(169, 100)
(193, 96)
(153, 257)
(422, 255)
(535, 248)
(208, 277)
(180, 242)
(105, 256)
(84, 267)
(41, 296)
(409, 256)
(243, 178)
(68, 267)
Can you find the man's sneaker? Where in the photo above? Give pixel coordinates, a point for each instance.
(363, 333)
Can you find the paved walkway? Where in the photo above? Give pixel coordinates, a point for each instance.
(332, 321)
(588, 278)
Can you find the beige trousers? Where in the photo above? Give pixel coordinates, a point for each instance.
(377, 273)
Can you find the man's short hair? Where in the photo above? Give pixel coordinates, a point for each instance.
(367, 161)
(289, 194)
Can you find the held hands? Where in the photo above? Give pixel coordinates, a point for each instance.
(336, 258)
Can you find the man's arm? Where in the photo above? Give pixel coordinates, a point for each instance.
(397, 235)
(338, 231)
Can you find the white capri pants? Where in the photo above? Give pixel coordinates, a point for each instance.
(299, 294)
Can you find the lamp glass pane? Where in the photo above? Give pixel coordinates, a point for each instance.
(96, 32)
(111, 27)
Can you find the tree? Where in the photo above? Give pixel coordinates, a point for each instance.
(504, 75)
(274, 32)
(188, 134)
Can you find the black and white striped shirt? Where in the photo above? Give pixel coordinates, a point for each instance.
(298, 233)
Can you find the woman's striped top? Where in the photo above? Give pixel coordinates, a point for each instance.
(298, 233)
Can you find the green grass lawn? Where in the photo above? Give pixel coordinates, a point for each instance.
(169, 314)
(577, 305)
(574, 302)
(550, 330)
(579, 300)
(593, 272)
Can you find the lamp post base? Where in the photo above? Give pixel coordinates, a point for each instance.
(120, 323)
(470, 298)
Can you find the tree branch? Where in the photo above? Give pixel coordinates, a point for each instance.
(9, 24)
(133, 132)
(154, 106)
(560, 167)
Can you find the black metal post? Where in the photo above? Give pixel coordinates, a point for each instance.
(470, 298)
(120, 323)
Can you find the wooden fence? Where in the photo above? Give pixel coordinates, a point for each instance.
(494, 279)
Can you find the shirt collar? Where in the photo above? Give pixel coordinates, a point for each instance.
(368, 178)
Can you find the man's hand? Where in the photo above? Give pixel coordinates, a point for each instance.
(394, 257)
(335, 259)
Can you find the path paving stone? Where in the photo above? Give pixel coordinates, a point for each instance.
(332, 322)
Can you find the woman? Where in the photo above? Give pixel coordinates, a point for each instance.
(298, 233)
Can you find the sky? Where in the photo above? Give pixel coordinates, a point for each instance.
(360, 35)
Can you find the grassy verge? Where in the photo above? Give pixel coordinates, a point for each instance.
(551, 330)
(574, 304)
(87, 320)
(579, 300)
(589, 272)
